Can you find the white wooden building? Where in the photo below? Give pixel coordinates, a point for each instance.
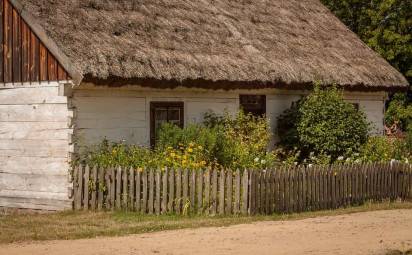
(75, 72)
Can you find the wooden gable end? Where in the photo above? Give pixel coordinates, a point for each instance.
(23, 57)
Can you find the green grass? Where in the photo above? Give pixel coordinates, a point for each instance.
(76, 225)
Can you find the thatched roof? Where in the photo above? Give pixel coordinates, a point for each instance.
(239, 41)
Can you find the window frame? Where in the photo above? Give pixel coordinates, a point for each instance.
(264, 103)
(165, 104)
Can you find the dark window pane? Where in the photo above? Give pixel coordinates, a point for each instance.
(254, 104)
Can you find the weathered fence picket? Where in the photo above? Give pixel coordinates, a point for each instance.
(211, 191)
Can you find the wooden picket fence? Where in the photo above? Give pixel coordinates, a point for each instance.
(281, 190)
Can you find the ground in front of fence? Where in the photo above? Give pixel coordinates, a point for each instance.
(78, 225)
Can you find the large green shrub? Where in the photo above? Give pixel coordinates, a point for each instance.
(323, 124)
(399, 112)
(384, 149)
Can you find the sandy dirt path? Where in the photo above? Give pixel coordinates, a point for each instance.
(360, 233)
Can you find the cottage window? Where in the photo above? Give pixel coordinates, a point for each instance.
(254, 104)
(164, 112)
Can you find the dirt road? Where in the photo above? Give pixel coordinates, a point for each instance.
(361, 233)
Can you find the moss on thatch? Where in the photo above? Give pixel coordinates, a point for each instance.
(241, 42)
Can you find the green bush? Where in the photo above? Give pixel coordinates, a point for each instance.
(384, 149)
(399, 112)
(323, 124)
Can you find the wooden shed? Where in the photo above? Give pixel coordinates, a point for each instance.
(76, 71)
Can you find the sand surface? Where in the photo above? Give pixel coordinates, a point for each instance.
(360, 233)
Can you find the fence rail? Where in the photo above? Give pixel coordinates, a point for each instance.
(281, 190)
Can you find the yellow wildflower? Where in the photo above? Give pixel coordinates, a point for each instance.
(200, 147)
(172, 154)
(190, 150)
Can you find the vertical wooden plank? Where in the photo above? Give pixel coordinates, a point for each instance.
(282, 193)
(101, 187)
(80, 193)
(207, 191)
(199, 184)
(76, 187)
(137, 181)
(150, 204)
(2, 15)
(269, 192)
(192, 189)
(94, 183)
(222, 192)
(51, 67)
(144, 191)
(178, 197)
(238, 188)
(185, 184)
(287, 185)
(86, 188)
(262, 197)
(171, 190)
(245, 192)
(8, 42)
(334, 174)
(165, 185)
(25, 52)
(276, 196)
(305, 190)
(61, 73)
(158, 189)
(252, 197)
(214, 192)
(17, 63)
(125, 191)
(295, 192)
(119, 188)
(229, 192)
(131, 189)
(107, 201)
(34, 64)
(43, 62)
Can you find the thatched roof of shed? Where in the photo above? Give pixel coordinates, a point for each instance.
(239, 41)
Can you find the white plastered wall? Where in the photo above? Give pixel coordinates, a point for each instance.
(124, 113)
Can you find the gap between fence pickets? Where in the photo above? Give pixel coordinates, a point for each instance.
(225, 192)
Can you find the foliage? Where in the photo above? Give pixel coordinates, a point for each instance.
(399, 112)
(323, 126)
(385, 25)
(221, 142)
(384, 149)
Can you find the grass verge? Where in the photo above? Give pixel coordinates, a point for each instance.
(77, 225)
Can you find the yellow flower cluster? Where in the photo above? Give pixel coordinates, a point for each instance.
(186, 156)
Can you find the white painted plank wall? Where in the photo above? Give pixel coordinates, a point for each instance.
(34, 147)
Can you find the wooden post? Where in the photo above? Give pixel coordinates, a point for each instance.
(158, 190)
(144, 191)
(125, 189)
(222, 192)
(207, 191)
(236, 209)
(94, 189)
(131, 188)
(138, 179)
(229, 191)
(214, 192)
(164, 192)
(192, 190)
(151, 191)
(200, 191)
(86, 188)
(171, 189)
(245, 192)
(118, 187)
(185, 187)
(178, 199)
(100, 188)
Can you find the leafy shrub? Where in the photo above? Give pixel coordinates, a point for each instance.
(384, 149)
(399, 112)
(231, 142)
(323, 124)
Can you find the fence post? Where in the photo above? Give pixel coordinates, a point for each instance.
(245, 192)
